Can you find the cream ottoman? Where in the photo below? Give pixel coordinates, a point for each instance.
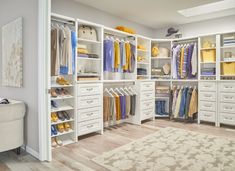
(12, 125)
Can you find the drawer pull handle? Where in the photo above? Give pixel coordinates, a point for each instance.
(89, 114)
(207, 105)
(207, 115)
(89, 126)
(229, 98)
(228, 87)
(89, 89)
(207, 95)
(228, 118)
(228, 108)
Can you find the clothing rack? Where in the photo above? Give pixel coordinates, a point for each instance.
(63, 21)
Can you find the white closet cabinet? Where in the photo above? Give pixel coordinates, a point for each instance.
(226, 103)
(90, 108)
(146, 99)
(207, 101)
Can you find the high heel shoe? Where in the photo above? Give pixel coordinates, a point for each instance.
(60, 128)
(67, 126)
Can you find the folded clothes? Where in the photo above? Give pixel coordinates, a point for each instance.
(83, 55)
(91, 55)
(141, 71)
(4, 101)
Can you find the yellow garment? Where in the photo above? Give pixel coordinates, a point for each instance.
(118, 109)
(141, 47)
(117, 58)
(177, 106)
(83, 51)
(141, 58)
(155, 51)
(125, 29)
(128, 57)
(193, 107)
(181, 62)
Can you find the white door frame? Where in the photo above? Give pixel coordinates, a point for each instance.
(44, 11)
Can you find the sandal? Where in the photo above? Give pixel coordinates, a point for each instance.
(67, 126)
(60, 128)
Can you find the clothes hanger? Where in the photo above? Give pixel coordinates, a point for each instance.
(111, 89)
(129, 93)
(124, 91)
(116, 89)
(107, 91)
(132, 90)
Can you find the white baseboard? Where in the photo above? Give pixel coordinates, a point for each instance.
(31, 151)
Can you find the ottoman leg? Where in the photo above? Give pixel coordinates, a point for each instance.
(18, 151)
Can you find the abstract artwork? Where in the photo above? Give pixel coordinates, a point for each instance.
(12, 54)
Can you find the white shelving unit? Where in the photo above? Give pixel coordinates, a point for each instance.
(143, 57)
(90, 68)
(65, 103)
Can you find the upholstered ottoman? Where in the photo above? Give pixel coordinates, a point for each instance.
(12, 125)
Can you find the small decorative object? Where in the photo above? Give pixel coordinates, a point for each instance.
(228, 54)
(12, 54)
(166, 69)
(206, 44)
(171, 31)
(155, 51)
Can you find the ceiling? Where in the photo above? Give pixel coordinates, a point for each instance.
(154, 13)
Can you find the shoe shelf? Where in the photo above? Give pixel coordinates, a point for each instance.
(60, 121)
(65, 142)
(62, 97)
(63, 133)
(61, 86)
(62, 108)
(161, 116)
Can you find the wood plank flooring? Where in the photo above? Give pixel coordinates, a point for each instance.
(77, 157)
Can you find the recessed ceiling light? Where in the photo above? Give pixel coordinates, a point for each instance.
(208, 8)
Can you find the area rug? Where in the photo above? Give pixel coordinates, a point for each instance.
(171, 149)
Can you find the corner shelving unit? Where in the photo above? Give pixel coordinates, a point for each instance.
(67, 102)
(143, 57)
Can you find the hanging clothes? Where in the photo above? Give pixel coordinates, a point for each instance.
(63, 52)
(193, 107)
(184, 61)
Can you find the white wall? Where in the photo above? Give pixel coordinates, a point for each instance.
(78, 10)
(225, 24)
(9, 11)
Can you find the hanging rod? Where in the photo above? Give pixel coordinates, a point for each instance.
(116, 35)
(185, 41)
(62, 21)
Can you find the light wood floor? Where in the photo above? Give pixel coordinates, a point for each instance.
(78, 156)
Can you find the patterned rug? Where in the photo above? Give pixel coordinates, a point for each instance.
(172, 149)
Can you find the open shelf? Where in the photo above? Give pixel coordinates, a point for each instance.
(88, 41)
(63, 133)
(60, 122)
(61, 86)
(91, 59)
(161, 58)
(161, 116)
(62, 108)
(62, 97)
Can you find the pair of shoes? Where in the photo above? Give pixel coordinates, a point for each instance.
(54, 104)
(62, 81)
(63, 127)
(56, 142)
(53, 93)
(63, 115)
(62, 92)
(54, 117)
(53, 130)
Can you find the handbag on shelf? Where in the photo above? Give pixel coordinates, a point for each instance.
(87, 32)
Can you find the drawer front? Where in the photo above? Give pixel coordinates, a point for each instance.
(227, 108)
(207, 106)
(90, 113)
(89, 101)
(207, 86)
(207, 116)
(147, 113)
(227, 97)
(147, 86)
(147, 104)
(227, 118)
(89, 89)
(227, 87)
(208, 96)
(89, 126)
(147, 96)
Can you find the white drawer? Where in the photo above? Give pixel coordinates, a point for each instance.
(227, 87)
(227, 108)
(89, 113)
(147, 113)
(227, 97)
(89, 126)
(148, 104)
(89, 89)
(89, 101)
(148, 95)
(227, 118)
(207, 106)
(147, 86)
(207, 86)
(207, 116)
(208, 96)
